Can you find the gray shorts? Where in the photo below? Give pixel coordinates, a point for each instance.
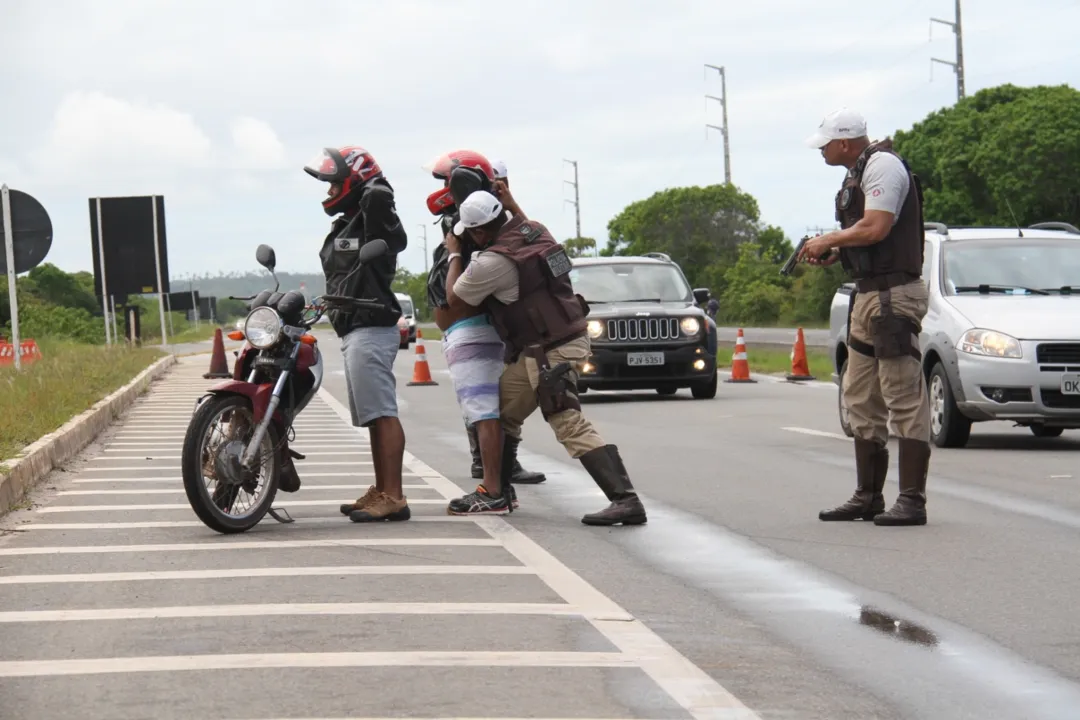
(369, 373)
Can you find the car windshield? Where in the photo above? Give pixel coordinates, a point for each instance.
(625, 282)
(1018, 266)
(406, 306)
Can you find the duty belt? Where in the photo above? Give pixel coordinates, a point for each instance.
(884, 282)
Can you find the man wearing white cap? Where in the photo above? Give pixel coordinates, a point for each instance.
(521, 275)
(881, 247)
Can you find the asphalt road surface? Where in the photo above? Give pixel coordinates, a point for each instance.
(765, 336)
(733, 596)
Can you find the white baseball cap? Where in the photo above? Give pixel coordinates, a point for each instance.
(842, 124)
(500, 169)
(480, 208)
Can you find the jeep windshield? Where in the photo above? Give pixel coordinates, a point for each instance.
(1020, 266)
(630, 282)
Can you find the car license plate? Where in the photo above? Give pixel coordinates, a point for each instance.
(1070, 384)
(644, 359)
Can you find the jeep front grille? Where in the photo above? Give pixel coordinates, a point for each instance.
(643, 329)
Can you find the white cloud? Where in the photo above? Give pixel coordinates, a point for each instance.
(257, 145)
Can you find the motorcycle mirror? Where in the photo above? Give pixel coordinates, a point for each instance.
(372, 250)
(264, 255)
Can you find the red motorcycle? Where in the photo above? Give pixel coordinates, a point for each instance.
(238, 438)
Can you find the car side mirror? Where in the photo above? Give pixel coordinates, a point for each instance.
(372, 250)
(264, 255)
(701, 295)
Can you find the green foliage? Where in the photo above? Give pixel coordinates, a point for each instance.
(580, 247)
(1004, 146)
(415, 286)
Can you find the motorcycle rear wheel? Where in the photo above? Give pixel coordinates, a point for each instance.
(195, 442)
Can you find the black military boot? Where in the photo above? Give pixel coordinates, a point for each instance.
(871, 467)
(910, 506)
(474, 448)
(606, 468)
(518, 474)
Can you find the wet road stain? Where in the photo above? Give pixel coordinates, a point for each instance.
(896, 628)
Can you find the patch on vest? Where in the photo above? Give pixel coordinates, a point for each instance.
(347, 244)
(558, 262)
(845, 198)
(530, 233)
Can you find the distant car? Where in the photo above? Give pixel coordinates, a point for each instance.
(645, 326)
(408, 313)
(1000, 340)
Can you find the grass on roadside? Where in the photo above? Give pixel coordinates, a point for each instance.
(767, 360)
(67, 381)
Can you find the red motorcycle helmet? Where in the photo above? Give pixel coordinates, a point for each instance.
(347, 169)
(442, 167)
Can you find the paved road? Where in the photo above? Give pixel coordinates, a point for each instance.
(766, 336)
(968, 617)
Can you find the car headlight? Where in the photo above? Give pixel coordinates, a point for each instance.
(990, 343)
(690, 326)
(596, 329)
(263, 327)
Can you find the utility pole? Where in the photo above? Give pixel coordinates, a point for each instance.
(723, 129)
(576, 202)
(424, 227)
(958, 66)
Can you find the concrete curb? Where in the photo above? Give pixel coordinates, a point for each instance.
(37, 460)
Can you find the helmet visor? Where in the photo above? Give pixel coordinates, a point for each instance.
(328, 166)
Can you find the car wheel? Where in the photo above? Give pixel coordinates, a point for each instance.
(841, 406)
(705, 390)
(948, 426)
(1041, 431)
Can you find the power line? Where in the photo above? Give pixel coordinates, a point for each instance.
(958, 66)
(724, 128)
(424, 228)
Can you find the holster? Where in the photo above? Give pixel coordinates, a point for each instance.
(893, 333)
(556, 390)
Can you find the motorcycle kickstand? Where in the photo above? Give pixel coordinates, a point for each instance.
(284, 520)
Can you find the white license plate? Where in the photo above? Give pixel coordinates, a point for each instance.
(645, 358)
(1070, 384)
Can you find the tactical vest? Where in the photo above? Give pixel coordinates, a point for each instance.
(898, 258)
(547, 312)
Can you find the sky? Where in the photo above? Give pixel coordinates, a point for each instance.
(218, 105)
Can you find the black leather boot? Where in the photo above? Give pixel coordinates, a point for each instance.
(474, 448)
(606, 468)
(910, 506)
(518, 474)
(871, 467)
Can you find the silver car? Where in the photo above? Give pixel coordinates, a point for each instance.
(1001, 338)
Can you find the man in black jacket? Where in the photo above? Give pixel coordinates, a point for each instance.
(364, 201)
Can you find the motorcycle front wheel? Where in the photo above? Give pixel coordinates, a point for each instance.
(234, 500)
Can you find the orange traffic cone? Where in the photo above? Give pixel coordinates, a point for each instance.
(740, 368)
(800, 367)
(421, 372)
(219, 366)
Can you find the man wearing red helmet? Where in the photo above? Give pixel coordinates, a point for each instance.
(470, 339)
(362, 202)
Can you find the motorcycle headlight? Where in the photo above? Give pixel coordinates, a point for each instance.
(263, 327)
(990, 343)
(596, 329)
(690, 326)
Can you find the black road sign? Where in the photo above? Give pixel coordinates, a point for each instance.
(33, 232)
(127, 228)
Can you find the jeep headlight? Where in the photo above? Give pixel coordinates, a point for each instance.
(262, 327)
(690, 326)
(990, 343)
(596, 329)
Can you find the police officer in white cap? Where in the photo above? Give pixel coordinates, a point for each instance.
(881, 245)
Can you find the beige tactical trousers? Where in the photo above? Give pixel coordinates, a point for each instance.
(518, 399)
(875, 387)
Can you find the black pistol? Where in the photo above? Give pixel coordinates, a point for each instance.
(793, 259)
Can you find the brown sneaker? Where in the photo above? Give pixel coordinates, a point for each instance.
(382, 507)
(365, 500)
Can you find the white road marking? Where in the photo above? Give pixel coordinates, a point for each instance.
(247, 545)
(154, 524)
(690, 686)
(257, 661)
(224, 574)
(301, 463)
(817, 433)
(284, 609)
(178, 479)
(176, 490)
(142, 451)
(186, 506)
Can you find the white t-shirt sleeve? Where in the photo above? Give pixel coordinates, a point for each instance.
(885, 183)
(487, 274)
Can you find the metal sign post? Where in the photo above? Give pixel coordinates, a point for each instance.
(160, 287)
(9, 246)
(104, 288)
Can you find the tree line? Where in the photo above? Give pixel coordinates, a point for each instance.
(1006, 155)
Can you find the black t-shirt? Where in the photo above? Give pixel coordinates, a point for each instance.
(377, 218)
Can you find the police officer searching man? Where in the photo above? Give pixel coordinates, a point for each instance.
(880, 245)
(521, 274)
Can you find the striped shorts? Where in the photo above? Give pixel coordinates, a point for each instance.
(474, 355)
